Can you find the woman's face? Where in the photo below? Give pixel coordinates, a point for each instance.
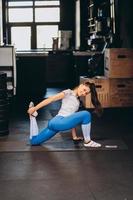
(83, 90)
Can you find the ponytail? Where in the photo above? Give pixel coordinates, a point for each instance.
(94, 98)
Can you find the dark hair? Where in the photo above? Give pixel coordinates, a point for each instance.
(94, 98)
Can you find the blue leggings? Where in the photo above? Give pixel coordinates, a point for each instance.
(60, 123)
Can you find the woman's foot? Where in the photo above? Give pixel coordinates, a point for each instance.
(77, 138)
(33, 123)
(91, 143)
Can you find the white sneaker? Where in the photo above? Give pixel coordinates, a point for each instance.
(91, 143)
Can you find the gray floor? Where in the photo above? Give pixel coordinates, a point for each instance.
(68, 175)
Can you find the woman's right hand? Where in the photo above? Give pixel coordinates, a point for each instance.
(31, 110)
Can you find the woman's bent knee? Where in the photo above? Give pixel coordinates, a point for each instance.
(86, 117)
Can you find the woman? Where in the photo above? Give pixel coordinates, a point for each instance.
(68, 116)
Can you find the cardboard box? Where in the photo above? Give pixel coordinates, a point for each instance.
(102, 88)
(118, 63)
(121, 92)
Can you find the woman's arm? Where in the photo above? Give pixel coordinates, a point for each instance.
(46, 102)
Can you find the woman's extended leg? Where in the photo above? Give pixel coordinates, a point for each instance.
(43, 136)
(59, 123)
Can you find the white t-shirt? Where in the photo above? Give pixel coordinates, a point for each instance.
(70, 103)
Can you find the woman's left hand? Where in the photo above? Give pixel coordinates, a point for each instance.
(31, 110)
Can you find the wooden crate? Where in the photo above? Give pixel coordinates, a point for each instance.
(102, 87)
(121, 92)
(118, 63)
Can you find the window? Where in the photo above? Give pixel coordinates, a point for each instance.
(21, 15)
(47, 15)
(46, 3)
(33, 24)
(20, 3)
(16, 37)
(45, 35)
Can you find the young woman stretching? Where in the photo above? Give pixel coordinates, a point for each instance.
(68, 116)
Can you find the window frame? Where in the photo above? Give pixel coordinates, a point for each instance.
(33, 24)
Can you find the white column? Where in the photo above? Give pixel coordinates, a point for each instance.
(1, 24)
(77, 25)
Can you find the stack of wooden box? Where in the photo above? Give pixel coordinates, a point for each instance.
(115, 89)
(119, 69)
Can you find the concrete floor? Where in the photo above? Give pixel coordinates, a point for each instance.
(69, 175)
